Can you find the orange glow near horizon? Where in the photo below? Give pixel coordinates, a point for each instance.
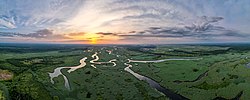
(93, 41)
(93, 38)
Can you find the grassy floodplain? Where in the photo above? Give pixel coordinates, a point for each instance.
(221, 70)
(31, 80)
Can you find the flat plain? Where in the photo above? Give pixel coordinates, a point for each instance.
(221, 72)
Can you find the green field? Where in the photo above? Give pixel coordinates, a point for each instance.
(221, 73)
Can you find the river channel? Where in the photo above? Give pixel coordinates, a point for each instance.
(152, 83)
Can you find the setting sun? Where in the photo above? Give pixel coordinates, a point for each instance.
(92, 38)
(93, 41)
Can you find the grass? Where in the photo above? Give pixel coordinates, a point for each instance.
(104, 82)
(224, 69)
(86, 83)
(4, 94)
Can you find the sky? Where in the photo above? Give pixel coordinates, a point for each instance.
(124, 21)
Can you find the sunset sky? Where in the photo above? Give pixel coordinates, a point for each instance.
(124, 21)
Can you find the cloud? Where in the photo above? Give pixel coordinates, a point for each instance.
(40, 34)
(103, 33)
(72, 41)
(6, 23)
(9, 34)
(45, 33)
(125, 18)
(77, 34)
(202, 29)
(45, 13)
(204, 23)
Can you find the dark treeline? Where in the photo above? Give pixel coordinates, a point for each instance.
(32, 48)
(230, 48)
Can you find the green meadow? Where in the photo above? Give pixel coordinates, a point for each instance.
(220, 73)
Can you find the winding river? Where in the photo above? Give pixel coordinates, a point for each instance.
(96, 58)
(162, 60)
(57, 72)
(109, 51)
(169, 93)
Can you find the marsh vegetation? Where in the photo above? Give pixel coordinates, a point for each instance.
(222, 69)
